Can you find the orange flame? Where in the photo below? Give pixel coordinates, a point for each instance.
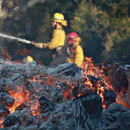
(1, 123)
(35, 108)
(68, 93)
(36, 79)
(50, 80)
(88, 68)
(20, 97)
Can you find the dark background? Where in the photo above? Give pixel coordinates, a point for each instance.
(103, 25)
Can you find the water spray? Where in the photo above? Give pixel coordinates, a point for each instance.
(15, 38)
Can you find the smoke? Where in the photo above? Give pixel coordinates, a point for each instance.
(2, 13)
(33, 2)
(24, 4)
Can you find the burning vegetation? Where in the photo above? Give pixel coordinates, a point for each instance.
(35, 97)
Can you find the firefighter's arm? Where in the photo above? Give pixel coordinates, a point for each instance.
(40, 45)
(79, 56)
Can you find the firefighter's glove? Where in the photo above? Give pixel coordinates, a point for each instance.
(39, 45)
(44, 45)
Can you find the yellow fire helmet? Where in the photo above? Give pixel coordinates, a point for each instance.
(29, 59)
(58, 17)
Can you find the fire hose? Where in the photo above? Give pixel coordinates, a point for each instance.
(15, 38)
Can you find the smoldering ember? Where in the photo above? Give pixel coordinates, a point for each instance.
(36, 97)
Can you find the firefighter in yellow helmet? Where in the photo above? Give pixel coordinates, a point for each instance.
(74, 50)
(58, 39)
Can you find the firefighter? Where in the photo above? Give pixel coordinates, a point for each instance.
(74, 50)
(58, 39)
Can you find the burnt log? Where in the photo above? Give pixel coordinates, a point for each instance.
(57, 95)
(7, 70)
(6, 99)
(66, 70)
(6, 84)
(118, 77)
(45, 105)
(17, 119)
(112, 114)
(117, 118)
(3, 111)
(11, 83)
(109, 97)
(32, 127)
(11, 119)
(34, 87)
(88, 112)
(58, 100)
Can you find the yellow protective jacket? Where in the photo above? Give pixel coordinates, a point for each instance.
(78, 57)
(58, 38)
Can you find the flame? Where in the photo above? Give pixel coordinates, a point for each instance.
(36, 79)
(35, 108)
(6, 54)
(68, 93)
(88, 68)
(1, 123)
(45, 118)
(23, 52)
(79, 95)
(23, 96)
(20, 97)
(88, 83)
(100, 92)
(50, 80)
